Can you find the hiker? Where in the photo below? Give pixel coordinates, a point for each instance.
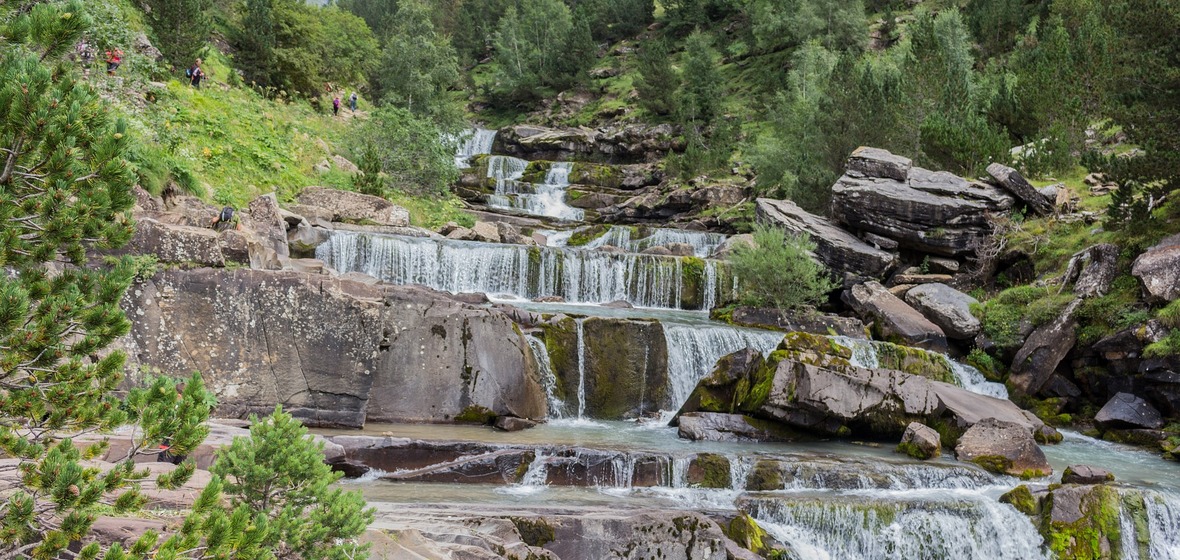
(195, 74)
(336, 106)
(114, 59)
(352, 101)
(226, 219)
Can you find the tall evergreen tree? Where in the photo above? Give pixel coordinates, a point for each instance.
(657, 82)
(255, 41)
(531, 48)
(181, 27)
(65, 187)
(701, 86)
(418, 67)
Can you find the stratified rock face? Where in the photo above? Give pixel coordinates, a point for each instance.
(348, 206)
(946, 307)
(920, 441)
(1125, 410)
(712, 426)
(895, 319)
(788, 321)
(623, 144)
(1159, 270)
(334, 352)
(1044, 350)
(1003, 447)
(932, 212)
(1015, 183)
(839, 250)
(178, 244)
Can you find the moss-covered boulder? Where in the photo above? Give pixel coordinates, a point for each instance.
(766, 475)
(1022, 499)
(709, 470)
(622, 365)
(1082, 522)
(914, 361)
(744, 531)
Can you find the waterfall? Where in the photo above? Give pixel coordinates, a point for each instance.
(506, 170)
(972, 380)
(710, 300)
(581, 368)
(693, 351)
(548, 378)
(472, 143)
(1163, 524)
(703, 243)
(916, 525)
(864, 354)
(448, 265)
(544, 199)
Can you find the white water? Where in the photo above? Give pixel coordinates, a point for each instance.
(495, 269)
(703, 243)
(864, 354)
(693, 351)
(1163, 524)
(471, 143)
(547, 199)
(581, 327)
(548, 378)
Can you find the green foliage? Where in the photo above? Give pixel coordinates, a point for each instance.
(836, 24)
(379, 15)
(181, 28)
(701, 86)
(1001, 317)
(657, 79)
(538, 46)
(279, 473)
(292, 47)
(418, 67)
(779, 271)
(407, 146)
(611, 20)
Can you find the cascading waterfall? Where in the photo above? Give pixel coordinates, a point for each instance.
(471, 143)
(538, 199)
(703, 243)
(1163, 524)
(506, 170)
(864, 354)
(915, 525)
(973, 380)
(581, 328)
(548, 378)
(693, 351)
(527, 272)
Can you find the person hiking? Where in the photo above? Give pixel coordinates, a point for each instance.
(336, 106)
(352, 101)
(195, 74)
(114, 59)
(226, 219)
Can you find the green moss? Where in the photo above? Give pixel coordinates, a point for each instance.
(713, 470)
(752, 398)
(1022, 499)
(767, 475)
(526, 460)
(693, 282)
(994, 463)
(582, 237)
(596, 174)
(915, 361)
(476, 414)
(1092, 536)
(534, 532)
(990, 367)
(912, 449)
(746, 532)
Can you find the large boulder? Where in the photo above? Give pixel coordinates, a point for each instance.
(334, 352)
(348, 206)
(789, 321)
(837, 249)
(875, 162)
(1044, 350)
(264, 218)
(1159, 270)
(621, 144)
(920, 441)
(1125, 410)
(1085, 474)
(713, 426)
(1015, 183)
(175, 244)
(1092, 271)
(893, 318)
(946, 307)
(1003, 447)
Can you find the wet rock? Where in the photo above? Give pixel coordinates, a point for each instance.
(484, 231)
(1083, 521)
(808, 322)
(875, 162)
(1044, 350)
(946, 307)
(837, 249)
(893, 318)
(511, 234)
(920, 441)
(709, 470)
(513, 424)
(657, 250)
(304, 238)
(1015, 183)
(1093, 270)
(1085, 474)
(333, 352)
(711, 426)
(348, 206)
(1125, 410)
(680, 249)
(1003, 447)
(1158, 269)
(618, 304)
(727, 247)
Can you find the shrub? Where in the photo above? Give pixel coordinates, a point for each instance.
(779, 271)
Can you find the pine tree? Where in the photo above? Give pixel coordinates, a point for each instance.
(181, 27)
(657, 80)
(279, 473)
(255, 41)
(418, 67)
(65, 188)
(701, 87)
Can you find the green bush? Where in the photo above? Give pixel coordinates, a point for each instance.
(779, 271)
(409, 151)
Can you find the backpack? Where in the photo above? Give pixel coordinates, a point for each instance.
(227, 214)
(188, 72)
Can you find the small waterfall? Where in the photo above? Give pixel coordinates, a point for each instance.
(703, 243)
(544, 199)
(548, 378)
(472, 143)
(581, 368)
(919, 525)
(972, 380)
(710, 300)
(1163, 524)
(693, 351)
(526, 272)
(506, 170)
(864, 354)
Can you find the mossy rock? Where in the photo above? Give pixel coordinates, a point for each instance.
(536, 171)
(998, 464)
(1094, 534)
(744, 531)
(534, 531)
(915, 361)
(596, 174)
(625, 368)
(476, 414)
(709, 470)
(582, 237)
(692, 287)
(816, 350)
(911, 449)
(767, 475)
(1022, 499)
